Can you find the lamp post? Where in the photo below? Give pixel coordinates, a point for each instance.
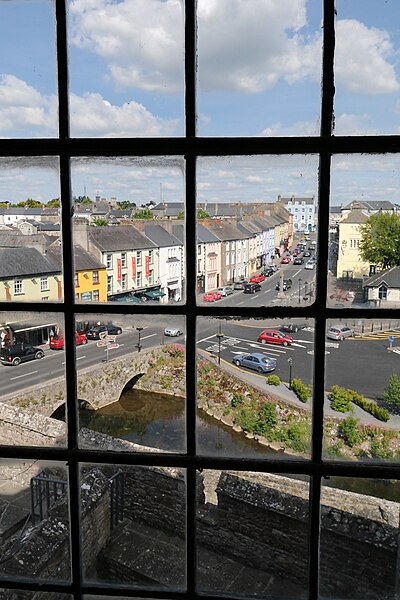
(139, 330)
(220, 336)
(290, 361)
(306, 290)
(299, 290)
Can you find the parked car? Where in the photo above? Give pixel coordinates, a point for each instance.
(307, 254)
(285, 260)
(298, 260)
(272, 336)
(239, 285)
(257, 278)
(268, 272)
(339, 332)
(256, 361)
(225, 291)
(93, 333)
(251, 288)
(292, 327)
(286, 284)
(18, 353)
(310, 264)
(295, 253)
(56, 342)
(212, 297)
(172, 332)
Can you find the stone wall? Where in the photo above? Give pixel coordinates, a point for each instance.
(262, 521)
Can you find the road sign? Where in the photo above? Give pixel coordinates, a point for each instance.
(113, 346)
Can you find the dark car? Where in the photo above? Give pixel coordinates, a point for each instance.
(251, 288)
(268, 272)
(94, 332)
(292, 327)
(18, 353)
(307, 254)
(286, 284)
(239, 285)
(298, 260)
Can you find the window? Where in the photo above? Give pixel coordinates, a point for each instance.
(151, 277)
(44, 284)
(123, 259)
(151, 257)
(124, 280)
(96, 296)
(383, 292)
(324, 144)
(95, 277)
(18, 286)
(76, 280)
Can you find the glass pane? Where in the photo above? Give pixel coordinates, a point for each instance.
(255, 246)
(28, 78)
(134, 533)
(367, 86)
(30, 223)
(127, 247)
(364, 238)
(252, 531)
(259, 70)
(126, 63)
(31, 400)
(254, 387)
(35, 542)
(359, 539)
(363, 390)
(132, 382)
(6, 594)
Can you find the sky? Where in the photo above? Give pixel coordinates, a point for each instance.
(259, 72)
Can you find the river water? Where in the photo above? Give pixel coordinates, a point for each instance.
(158, 421)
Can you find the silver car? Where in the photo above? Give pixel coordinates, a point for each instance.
(225, 291)
(172, 332)
(339, 332)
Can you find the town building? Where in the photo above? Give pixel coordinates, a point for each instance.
(303, 211)
(383, 289)
(169, 257)
(350, 265)
(234, 250)
(208, 260)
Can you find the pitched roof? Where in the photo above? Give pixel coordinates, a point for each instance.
(160, 236)
(83, 260)
(119, 238)
(390, 277)
(19, 262)
(355, 216)
(373, 205)
(226, 231)
(204, 235)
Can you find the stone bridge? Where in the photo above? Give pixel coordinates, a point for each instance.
(97, 386)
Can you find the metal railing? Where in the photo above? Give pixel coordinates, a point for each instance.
(45, 492)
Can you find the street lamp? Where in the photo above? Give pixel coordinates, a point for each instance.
(220, 337)
(139, 330)
(299, 289)
(306, 290)
(290, 361)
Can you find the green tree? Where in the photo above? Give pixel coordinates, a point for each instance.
(380, 240)
(143, 213)
(99, 222)
(30, 203)
(180, 215)
(202, 214)
(392, 392)
(125, 204)
(54, 203)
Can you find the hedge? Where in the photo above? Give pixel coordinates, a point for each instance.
(342, 398)
(302, 391)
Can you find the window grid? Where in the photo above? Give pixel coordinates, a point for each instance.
(191, 147)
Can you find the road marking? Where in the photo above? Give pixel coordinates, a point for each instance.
(395, 350)
(148, 336)
(26, 375)
(259, 346)
(77, 358)
(299, 345)
(312, 352)
(242, 348)
(305, 341)
(331, 345)
(207, 338)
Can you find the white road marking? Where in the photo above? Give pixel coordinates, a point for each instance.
(312, 352)
(147, 336)
(259, 346)
(241, 348)
(305, 341)
(331, 345)
(26, 375)
(298, 345)
(207, 338)
(77, 358)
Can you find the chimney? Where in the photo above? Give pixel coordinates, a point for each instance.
(81, 233)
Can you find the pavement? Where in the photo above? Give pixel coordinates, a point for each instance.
(283, 393)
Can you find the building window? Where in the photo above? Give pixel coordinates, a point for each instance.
(123, 259)
(95, 275)
(96, 296)
(124, 279)
(109, 284)
(151, 277)
(44, 284)
(76, 280)
(139, 279)
(383, 292)
(109, 261)
(18, 286)
(151, 257)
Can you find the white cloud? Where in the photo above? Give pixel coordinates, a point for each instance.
(362, 58)
(351, 124)
(302, 128)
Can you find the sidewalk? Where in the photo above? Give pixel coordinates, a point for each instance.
(282, 393)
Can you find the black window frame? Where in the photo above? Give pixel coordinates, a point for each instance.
(191, 147)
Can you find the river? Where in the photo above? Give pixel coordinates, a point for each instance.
(158, 421)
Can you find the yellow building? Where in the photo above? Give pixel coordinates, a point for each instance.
(27, 276)
(90, 274)
(350, 264)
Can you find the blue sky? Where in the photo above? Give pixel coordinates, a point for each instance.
(259, 64)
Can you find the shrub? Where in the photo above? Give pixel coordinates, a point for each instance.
(380, 448)
(349, 431)
(273, 380)
(302, 391)
(392, 392)
(247, 418)
(267, 419)
(237, 399)
(298, 434)
(340, 399)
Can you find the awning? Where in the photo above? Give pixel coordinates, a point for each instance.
(153, 294)
(126, 299)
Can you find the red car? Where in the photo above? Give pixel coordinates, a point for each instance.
(257, 278)
(57, 341)
(272, 336)
(295, 253)
(285, 260)
(212, 296)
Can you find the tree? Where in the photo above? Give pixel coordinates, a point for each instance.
(202, 214)
(180, 215)
(99, 222)
(125, 204)
(392, 392)
(54, 203)
(30, 203)
(380, 240)
(144, 213)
